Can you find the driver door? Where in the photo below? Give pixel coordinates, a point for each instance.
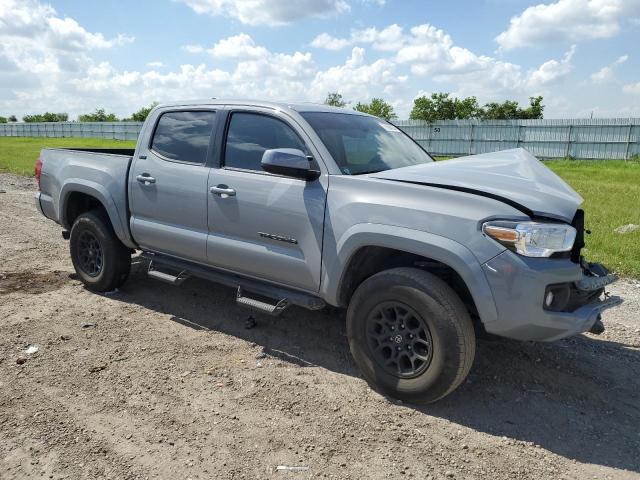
(264, 225)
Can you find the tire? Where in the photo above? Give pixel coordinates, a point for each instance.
(92, 236)
(443, 342)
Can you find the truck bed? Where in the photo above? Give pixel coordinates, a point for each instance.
(98, 172)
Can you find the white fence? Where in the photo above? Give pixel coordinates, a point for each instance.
(617, 138)
(113, 130)
(585, 138)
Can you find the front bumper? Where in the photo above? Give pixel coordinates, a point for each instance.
(518, 285)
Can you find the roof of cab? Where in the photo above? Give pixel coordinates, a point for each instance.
(298, 107)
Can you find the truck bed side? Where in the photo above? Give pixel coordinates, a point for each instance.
(76, 180)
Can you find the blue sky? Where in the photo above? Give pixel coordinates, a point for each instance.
(73, 56)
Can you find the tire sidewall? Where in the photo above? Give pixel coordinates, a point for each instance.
(436, 380)
(105, 237)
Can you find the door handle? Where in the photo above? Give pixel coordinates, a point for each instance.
(223, 191)
(145, 178)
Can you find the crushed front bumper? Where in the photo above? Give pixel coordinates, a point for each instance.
(519, 286)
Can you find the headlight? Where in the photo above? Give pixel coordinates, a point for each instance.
(532, 239)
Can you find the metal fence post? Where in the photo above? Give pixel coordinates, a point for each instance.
(471, 140)
(566, 153)
(626, 151)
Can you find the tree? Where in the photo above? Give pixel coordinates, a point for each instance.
(510, 109)
(440, 106)
(3, 120)
(98, 116)
(13, 118)
(46, 117)
(377, 107)
(335, 99)
(142, 114)
(536, 108)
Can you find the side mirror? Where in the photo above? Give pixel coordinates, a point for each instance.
(290, 162)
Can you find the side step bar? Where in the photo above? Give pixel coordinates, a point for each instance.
(283, 296)
(265, 307)
(153, 272)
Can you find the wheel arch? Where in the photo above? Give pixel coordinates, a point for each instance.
(367, 249)
(80, 196)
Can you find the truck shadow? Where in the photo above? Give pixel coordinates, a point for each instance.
(578, 398)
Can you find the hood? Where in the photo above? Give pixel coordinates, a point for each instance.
(512, 176)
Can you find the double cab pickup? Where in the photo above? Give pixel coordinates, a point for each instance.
(314, 206)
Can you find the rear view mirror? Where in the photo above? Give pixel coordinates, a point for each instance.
(290, 162)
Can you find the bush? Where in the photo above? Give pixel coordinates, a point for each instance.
(377, 107)
(46, 117)
(142, 114)
(98, 116)
(334, 99)
(441, 106)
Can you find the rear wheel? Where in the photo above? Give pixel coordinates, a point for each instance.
(100, 259)
(410, 334)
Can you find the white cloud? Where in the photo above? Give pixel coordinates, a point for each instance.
(56, 68)
(66, 33)
(633, 88)
(429, 51)
(388, 39)
(552, 70)
(606, 74)
(356, 78)
(326, 41)
(268, 12)
(193, 48)
(41, 52)
(238, 46)
(568, 21)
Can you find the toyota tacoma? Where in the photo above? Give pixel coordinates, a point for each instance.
(314, 206)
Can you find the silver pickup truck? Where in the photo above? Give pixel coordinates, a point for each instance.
(307, 205)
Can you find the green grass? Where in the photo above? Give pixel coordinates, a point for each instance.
(19, 154)
(611, 189)
(611, 192)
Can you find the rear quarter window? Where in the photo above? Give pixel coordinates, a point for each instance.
(184, 136)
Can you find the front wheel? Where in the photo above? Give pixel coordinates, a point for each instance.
(410, 334)
(101, 260)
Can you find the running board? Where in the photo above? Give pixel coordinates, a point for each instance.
(256, 287)
(264, 307)
(165, 276)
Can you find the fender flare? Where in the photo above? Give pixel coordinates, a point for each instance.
(100, 193)
(436, 247)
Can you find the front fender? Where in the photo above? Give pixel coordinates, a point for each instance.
(418, 242)
(100, 193)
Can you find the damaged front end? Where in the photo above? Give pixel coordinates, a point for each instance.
(547, 299)
(589, 290)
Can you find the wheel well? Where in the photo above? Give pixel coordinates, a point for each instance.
(368, 261)
(79, 203)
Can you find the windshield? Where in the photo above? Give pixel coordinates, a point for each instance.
(362, 144)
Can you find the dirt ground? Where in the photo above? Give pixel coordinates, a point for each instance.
(157, 381)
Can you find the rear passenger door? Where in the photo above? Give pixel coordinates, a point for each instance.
(168, 183)
(267, 226)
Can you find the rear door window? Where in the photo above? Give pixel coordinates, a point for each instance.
(184, 136)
